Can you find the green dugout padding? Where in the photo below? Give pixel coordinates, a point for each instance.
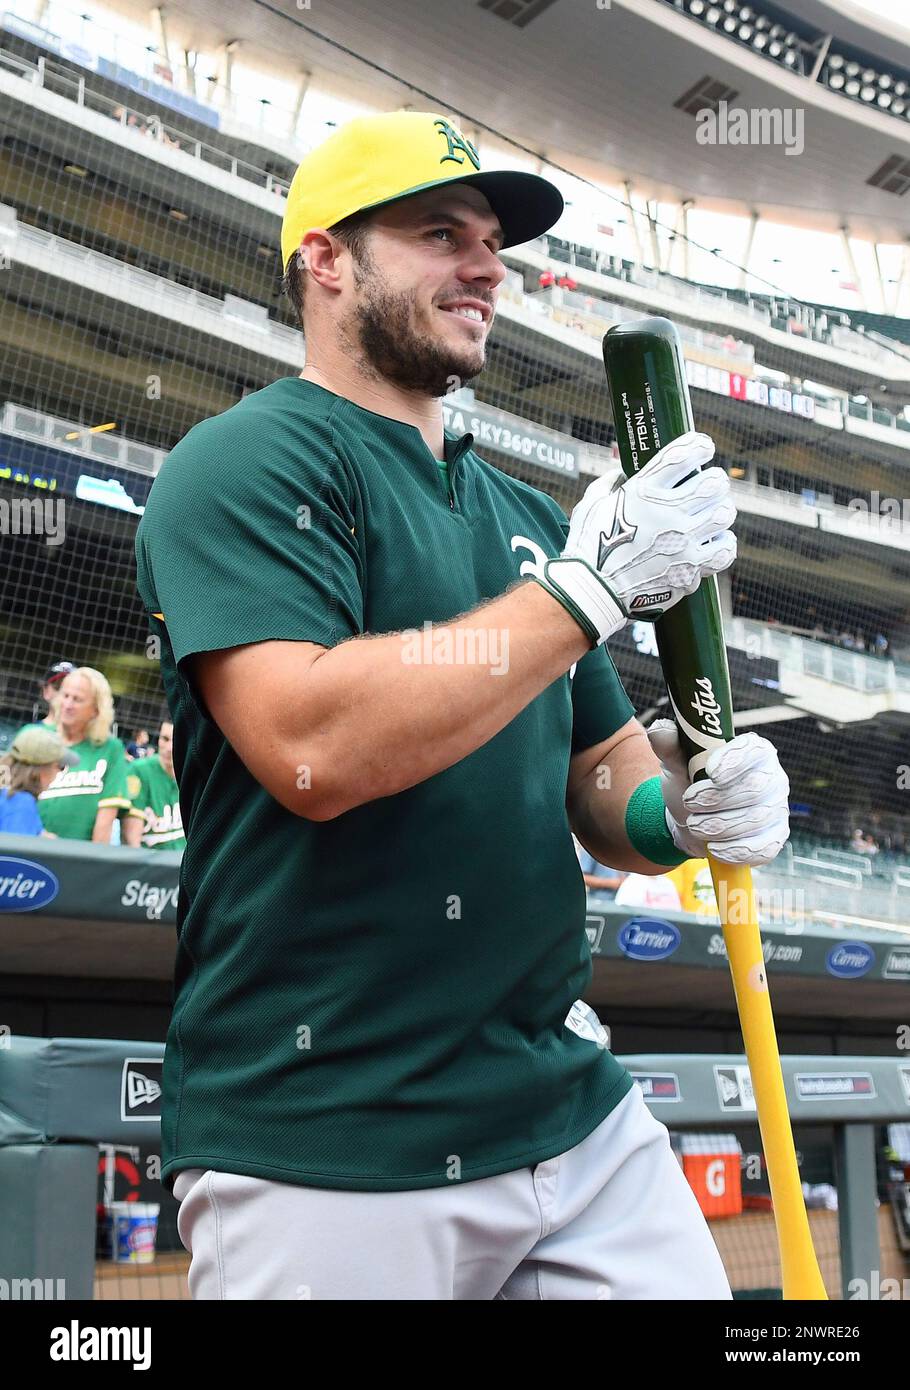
(61, 1097)
(47, 1221)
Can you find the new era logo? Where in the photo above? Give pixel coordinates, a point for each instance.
(140, 1088)
(734, 1088)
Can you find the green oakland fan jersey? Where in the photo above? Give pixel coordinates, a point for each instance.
(388, 1000)
(70, 804)
(155, 800)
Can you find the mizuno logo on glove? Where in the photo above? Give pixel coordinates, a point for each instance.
(647, 600)
(621, 533)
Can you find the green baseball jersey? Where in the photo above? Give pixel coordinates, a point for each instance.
(70, 804)
(155, 799)
(387, 1000)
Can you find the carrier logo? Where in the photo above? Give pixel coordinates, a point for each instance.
(848, 1085)
(140, 1088)
(645, 938)
(658, 1085)
(25, 885)
(897, 965)
(849, 959)
(646, 600)
(734, 1087)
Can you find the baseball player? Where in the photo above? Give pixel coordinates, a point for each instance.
(393, 704)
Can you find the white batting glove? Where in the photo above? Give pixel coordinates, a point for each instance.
(739, 812)
(638, 545)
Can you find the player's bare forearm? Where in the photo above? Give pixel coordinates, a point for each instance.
(399, 709)
(600, 785)
(376, 715)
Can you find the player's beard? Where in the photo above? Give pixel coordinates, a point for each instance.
(392, 349)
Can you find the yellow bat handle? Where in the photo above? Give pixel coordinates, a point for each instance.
(736, 903)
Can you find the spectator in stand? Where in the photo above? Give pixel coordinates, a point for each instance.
(140, 745)
(37, 754)
(82, 801)
(862, 843)
(565, 282)
(50, 688)
(154, 819)
(546, 279)
(880, 644)
(598, 878)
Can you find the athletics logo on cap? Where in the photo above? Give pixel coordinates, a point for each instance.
(456, 142)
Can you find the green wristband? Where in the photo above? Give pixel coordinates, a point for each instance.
(646, 826)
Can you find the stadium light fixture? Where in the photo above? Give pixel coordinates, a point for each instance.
(761, 22)
(836, 80)
(791, 57)
(835, 60)
(898, 107)
(885, 80)
(775, 49)
(852, 69)
(867, 93)
(744, 32)
(729, 24)
(697, 8)
(900, 89)
(729, 6)
(869, 75)
(746, 14)
(760, 41)
(884, 100)
(852, 88)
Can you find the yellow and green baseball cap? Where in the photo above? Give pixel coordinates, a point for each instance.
(373, 160)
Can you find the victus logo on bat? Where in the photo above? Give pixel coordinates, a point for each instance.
(700, 713)
(707, 707)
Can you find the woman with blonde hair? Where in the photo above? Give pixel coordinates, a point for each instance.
(83, 801)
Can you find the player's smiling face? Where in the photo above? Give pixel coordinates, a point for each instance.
(427, 296)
